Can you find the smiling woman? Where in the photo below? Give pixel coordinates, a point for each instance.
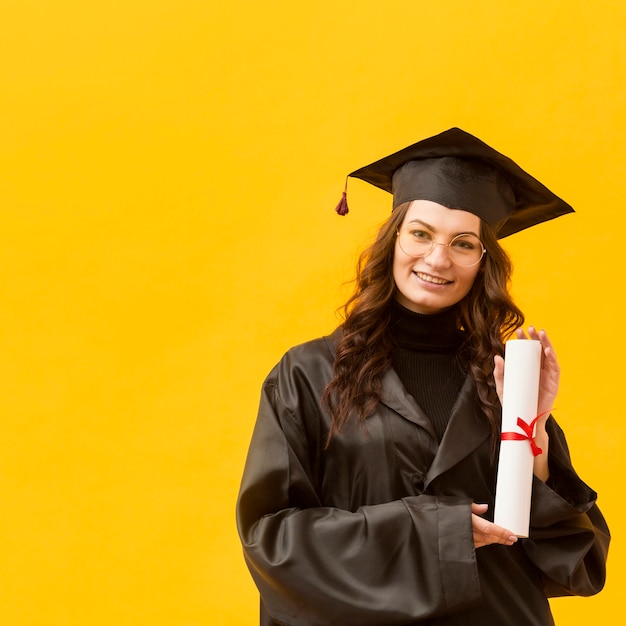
(368, 492)
(431, 276)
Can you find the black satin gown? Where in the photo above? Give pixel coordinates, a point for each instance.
(376, 529)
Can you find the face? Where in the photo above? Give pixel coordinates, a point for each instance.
(433, 283)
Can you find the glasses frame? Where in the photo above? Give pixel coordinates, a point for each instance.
(446, 245)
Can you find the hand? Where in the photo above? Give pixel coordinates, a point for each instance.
(550, 371)
(549, 377)
(486, 532)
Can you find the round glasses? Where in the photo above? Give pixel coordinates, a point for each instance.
(464, 250)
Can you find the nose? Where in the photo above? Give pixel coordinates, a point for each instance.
(439, 255)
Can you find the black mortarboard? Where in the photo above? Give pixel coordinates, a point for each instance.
(460, 171)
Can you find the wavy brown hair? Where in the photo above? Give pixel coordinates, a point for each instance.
(487, 314)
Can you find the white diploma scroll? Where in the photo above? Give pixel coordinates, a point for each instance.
(515, 467)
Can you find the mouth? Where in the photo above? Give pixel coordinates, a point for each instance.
(432, 279)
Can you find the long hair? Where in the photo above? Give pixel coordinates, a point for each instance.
(487, 314)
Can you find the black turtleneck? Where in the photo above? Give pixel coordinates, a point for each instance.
(425, 357)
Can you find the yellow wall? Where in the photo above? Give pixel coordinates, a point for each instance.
(168, 173)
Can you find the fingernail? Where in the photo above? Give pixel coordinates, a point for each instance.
(513, 538)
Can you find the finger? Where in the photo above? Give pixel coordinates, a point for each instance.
(547, 346)
(549, 359)
(486, 533)
(486, 527)
(479, 508)
(533, 334)
(520, 334)
(543, 337)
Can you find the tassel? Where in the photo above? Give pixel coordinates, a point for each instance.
(342, 207)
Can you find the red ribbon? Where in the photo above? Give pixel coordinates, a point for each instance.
(528, 434)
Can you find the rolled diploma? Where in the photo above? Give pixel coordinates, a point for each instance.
(515, 467)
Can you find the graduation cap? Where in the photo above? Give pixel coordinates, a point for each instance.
(460, 171)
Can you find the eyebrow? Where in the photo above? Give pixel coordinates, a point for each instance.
(427, 225)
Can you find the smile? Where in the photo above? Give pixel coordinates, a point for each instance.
(432, 279)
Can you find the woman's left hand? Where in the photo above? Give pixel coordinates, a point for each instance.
(550, 372)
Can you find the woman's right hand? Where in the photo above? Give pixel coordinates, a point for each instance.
(486, 532)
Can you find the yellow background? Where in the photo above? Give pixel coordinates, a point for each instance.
(168, 174)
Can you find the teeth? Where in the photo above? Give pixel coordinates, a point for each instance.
(432, 279)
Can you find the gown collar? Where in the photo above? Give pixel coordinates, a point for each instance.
(467, 429)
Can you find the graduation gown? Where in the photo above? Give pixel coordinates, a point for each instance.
(376, 529)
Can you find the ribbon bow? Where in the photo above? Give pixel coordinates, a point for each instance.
(528, 434)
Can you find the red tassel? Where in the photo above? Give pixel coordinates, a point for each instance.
(342, 207)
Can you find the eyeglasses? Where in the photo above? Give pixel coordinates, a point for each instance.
(464, 250)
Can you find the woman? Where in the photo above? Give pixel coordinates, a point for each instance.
(368, 492)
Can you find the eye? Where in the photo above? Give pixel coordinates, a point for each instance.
(420, 235)
(465, 243)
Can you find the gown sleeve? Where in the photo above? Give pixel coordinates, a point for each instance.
(569, 538)
(391, 563)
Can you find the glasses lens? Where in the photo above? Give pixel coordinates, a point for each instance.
(464, 250)
(415, 242)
